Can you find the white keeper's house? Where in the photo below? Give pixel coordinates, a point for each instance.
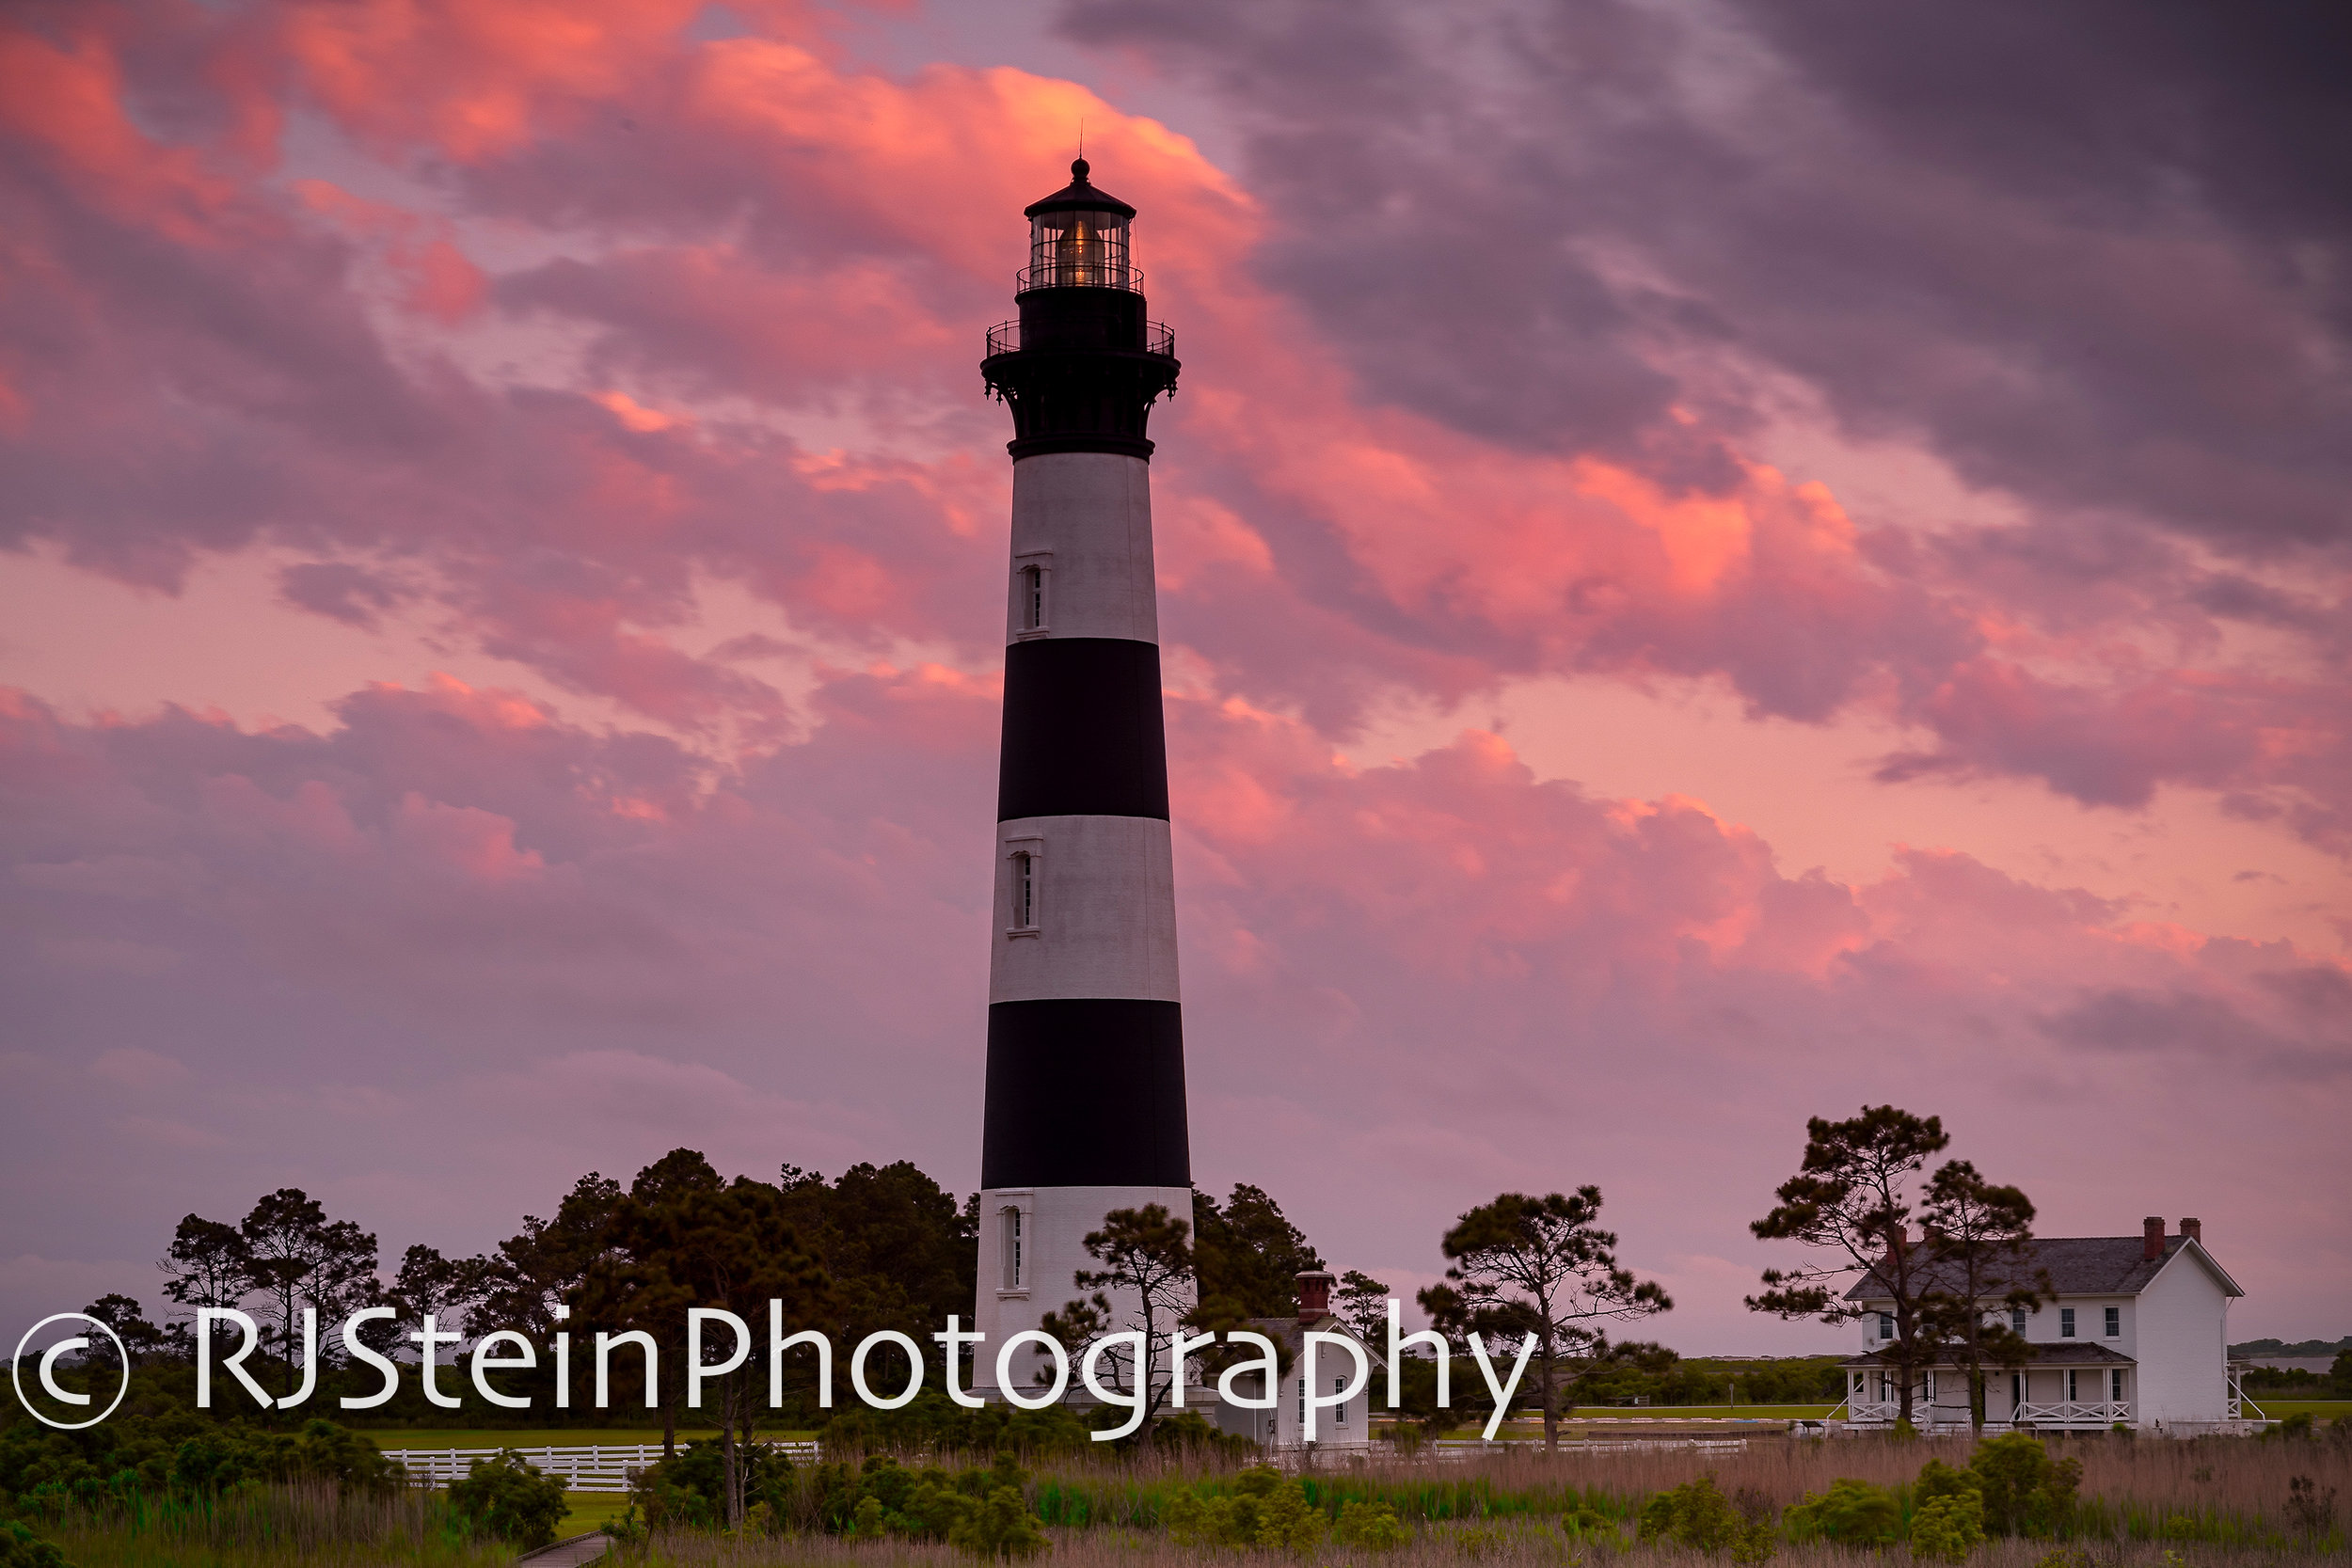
(2134, 1330)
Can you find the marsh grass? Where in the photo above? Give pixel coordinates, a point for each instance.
(2219, 1492)
(271, 1527)
(1515, 1543)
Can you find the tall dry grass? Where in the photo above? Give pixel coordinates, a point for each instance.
(2217, 1490)
(1524, 1544)
(302, 1523)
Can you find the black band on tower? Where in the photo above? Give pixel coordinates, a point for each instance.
(1125, 446)
(1086, 1093)
(1083, 735)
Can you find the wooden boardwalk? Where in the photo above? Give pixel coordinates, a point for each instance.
(576, 1552)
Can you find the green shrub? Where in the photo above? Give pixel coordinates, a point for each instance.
(1584, 1519)
(1939, 1480)
(21, 1548)
(2295, 1428)
(1287, 1522)
(1370, 1526)
(1198, 1518)
(1692, 1514)
(1264, 1508)
(2312, 1508)
(690, 1489)
(2025, 1491)
(1851, 1512)
(985, 1512)
(2068, 1556)
(1697, 1516)
(629, 1531)
(506, 1498)
(1481, 1540)
(932, 1421)
(1946, 1528)
(1000, 1527)
(181, 1451)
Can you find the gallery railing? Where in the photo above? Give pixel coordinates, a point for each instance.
(1004, 337)
(1064, 273)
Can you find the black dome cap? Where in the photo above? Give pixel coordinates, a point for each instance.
(1078, 195)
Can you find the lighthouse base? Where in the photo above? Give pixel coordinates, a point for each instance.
(1032, 1248)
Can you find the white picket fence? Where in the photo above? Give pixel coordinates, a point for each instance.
(596, 1468)
(1460, 1448)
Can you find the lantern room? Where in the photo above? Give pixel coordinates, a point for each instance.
(1079, 239)
(1082, 365)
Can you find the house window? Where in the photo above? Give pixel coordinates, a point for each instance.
(2066, 1323)
(2017, 1320)
(1012, 1248)
(2016, 1389)
(1339, 1416)
(2115, 1383)
(1886, 1325)
(1024, 878)
(2070, 1386)
(2115, 1322)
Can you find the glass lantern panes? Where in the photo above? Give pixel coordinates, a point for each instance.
(1081, 248)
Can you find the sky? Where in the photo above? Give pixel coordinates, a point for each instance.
(1719, 563)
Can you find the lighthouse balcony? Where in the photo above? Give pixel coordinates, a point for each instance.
(1004, 337)
(1091, 270)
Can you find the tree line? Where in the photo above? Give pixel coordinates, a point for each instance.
(1534, 1281)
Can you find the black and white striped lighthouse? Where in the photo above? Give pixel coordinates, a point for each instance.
(1085, 1060)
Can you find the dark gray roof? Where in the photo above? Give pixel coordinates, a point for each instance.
(1291, 1334)
(2063, 1353)
(2077, 1266)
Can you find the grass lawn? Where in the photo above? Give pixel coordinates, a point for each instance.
(560, 1437)
(1703, 1412)
(2318, 1410)
(507, 1437)
(587, 1510)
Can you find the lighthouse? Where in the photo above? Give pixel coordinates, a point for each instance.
(1085, 1058)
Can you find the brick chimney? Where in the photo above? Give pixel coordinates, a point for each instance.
(2194, 1230)
(2151, 1238)
(1315, 1295)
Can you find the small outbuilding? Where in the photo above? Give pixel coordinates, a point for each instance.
(1343, 1425)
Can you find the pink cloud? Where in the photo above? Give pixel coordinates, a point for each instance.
(771, 225)
(457, 881)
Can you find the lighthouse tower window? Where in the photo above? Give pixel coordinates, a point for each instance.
(1028, 598)
(1024, 878)
(1011, 1233)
